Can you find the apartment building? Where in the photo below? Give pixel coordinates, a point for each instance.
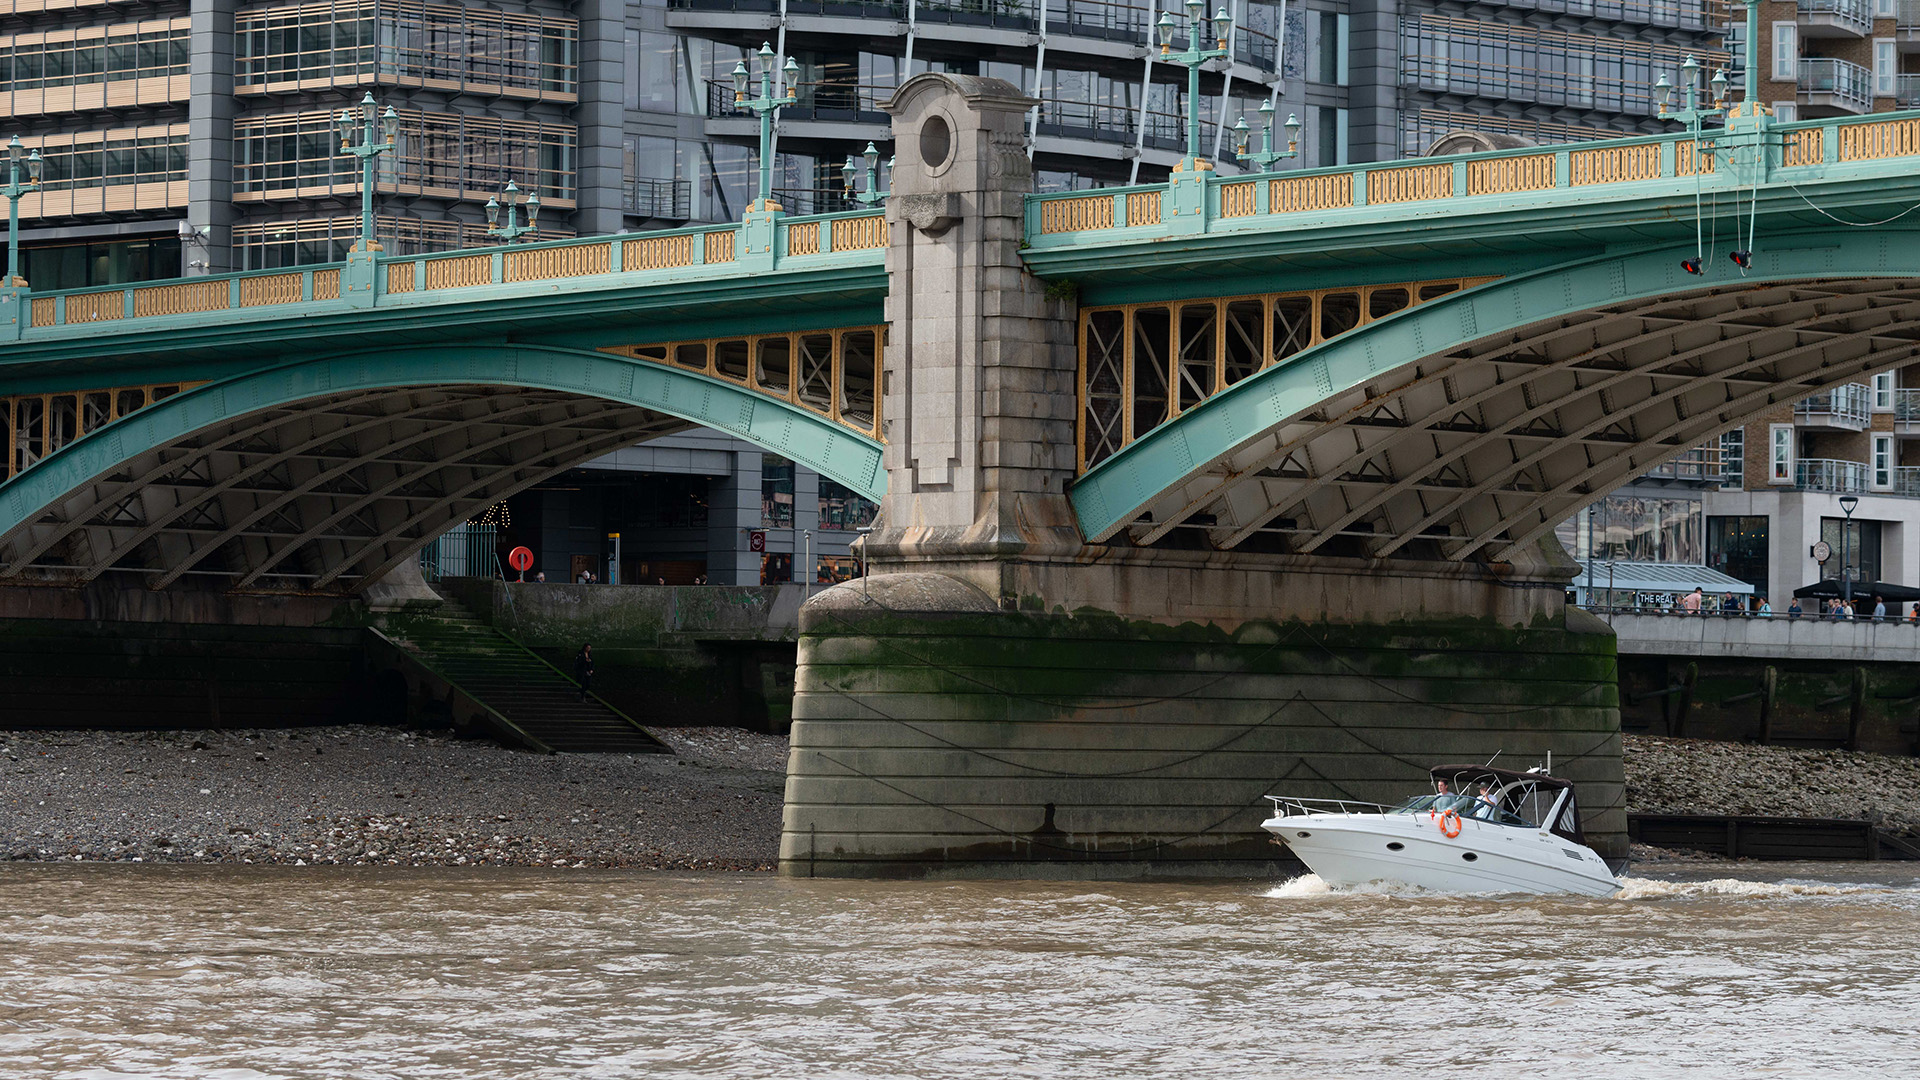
(1839, 57)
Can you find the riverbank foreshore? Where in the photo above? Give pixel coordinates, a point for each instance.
(379, 796)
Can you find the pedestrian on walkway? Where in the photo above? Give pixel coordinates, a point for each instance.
(1728, 605)
(1879, 610)
(1793, 608)
(1764, 611)
(1690, 603)
(583, 670)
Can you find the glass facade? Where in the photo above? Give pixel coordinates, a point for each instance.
(105, 54)
(840, 508)
(448, 155)
(271, 245)
(1478, 58)
(776, 494)
(92, 159)
(397, 42)
(1860, 561)
(115, 262)
(1633, 528)
(1738, 548)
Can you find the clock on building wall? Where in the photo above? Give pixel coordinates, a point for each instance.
(1822, 551)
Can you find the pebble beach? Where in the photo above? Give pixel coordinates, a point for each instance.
(378, 796)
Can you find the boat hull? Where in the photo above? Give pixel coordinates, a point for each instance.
(1354, 849)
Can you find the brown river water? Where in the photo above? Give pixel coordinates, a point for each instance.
(241, 973)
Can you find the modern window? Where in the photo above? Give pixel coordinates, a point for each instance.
(1780, 454)
(841, 509)
(1786, 112)
(1503, 61)
(107, 54)
(1859, 559)
(1733, 460)
(1883, 462)
(1786, 52)
(776, 494)
(1883, 391)
(1737, 547)
(271, 245)
(1886, 62)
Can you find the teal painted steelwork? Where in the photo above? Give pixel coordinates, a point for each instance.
(1483, 202)
(814, 441)
(475, 282)
(1114, 492)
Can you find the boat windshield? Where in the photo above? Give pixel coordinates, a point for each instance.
(1464, 805)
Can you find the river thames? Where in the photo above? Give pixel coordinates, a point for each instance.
(236, 973)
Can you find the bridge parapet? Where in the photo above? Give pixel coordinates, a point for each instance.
(797, 243)
(1542, 179)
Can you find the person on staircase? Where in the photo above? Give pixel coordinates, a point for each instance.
(583, 670)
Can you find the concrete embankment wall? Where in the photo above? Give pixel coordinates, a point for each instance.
(984, 742)
(673, 655)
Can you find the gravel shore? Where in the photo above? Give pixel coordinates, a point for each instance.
(378, 796)
(368, 795)
(1693, 776)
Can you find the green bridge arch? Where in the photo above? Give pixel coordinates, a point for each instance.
(73, 490)
(1818, 309)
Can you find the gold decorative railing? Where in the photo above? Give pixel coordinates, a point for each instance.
(832, 373)
(412, 276)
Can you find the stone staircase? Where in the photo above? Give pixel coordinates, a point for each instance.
(499, 683)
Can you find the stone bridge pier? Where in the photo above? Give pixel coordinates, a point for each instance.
(1001, 697)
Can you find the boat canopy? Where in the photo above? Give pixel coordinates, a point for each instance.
(1531, 795)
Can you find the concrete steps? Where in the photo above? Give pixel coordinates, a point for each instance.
(542, 707)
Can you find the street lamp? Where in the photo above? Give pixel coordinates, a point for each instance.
(512, 200)
(367, 150)
(15, 190)
(1266, 155)
(764, 105)
(873, 193)
(1847, 503)
(1191, 59)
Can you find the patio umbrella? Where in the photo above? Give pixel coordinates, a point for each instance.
(1891, 593)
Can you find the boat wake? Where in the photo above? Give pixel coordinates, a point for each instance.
(1633, 888)
(1309, 886)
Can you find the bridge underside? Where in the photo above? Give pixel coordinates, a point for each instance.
(324, 494)
(1477, 451)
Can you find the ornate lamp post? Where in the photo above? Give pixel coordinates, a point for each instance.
(1266, 155)
(764, 105)
(512, 200)
(367, 150)
(1191, 59)
(15, 190)
(873, 193)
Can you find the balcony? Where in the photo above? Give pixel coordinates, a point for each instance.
(1906, 23)
(1906, 412)
(1833, 88)
(1906, 481)
(1700, 465)
(1826, 474)
(1845, 407)
(1906, 91)
(668, 200)
(1835, 18)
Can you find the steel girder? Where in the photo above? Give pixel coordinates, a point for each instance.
(325, 474)
(1480, 420)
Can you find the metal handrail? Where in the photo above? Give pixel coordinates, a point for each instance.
(1282, 803)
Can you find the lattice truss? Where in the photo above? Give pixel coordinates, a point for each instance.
(1479, 451)
(326, 494)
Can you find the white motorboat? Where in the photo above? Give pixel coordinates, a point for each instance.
(1482, 830)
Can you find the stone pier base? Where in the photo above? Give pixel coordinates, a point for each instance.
(937, 735)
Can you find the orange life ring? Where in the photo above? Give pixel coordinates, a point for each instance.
(1453, 817)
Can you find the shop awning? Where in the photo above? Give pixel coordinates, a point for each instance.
(1660, 578)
